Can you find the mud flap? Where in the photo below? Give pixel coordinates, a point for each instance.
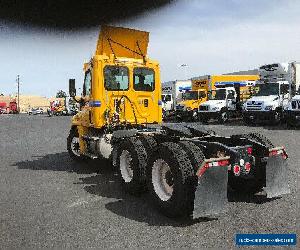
(276, 177)
(211, 192)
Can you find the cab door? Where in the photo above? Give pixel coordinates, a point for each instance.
(146, 94)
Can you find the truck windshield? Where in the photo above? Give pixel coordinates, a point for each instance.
(166, 98)
(193, 95)
(190, 95)
(218, 94)
(116, 78)
(143, 79)
(268, 89)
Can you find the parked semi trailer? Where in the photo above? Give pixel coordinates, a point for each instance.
(185, 169)
(277, 85)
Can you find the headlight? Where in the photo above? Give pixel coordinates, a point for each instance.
(269, 107)
(188, 109)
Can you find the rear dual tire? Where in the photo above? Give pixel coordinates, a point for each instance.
(132, 155)
(171, 180)
(167, 170)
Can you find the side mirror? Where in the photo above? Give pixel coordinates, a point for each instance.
(72, 88)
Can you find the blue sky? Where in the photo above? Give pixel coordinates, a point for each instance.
(210, 36)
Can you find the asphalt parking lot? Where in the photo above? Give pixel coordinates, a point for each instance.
(46, 200)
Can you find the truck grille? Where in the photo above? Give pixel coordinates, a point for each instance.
(203, 108)
(254, 106)
(296, 104)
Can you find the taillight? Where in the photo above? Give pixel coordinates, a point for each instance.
(236, 170)
(249, 150)
(247, 167)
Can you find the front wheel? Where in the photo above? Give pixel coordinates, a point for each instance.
(247, 121)
(195, 115)
(277, 116)
(223, 116)
(171, 180)
(73, 145)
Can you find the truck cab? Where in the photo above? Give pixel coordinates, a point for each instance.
(292, 111)
(277, 85)
(267, 104)
(221, 104)
(188, 107)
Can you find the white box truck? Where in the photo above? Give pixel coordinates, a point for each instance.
(292, 110)
(276, 89)
(172, 94)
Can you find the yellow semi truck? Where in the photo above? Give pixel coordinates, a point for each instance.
(186, 169)
(187, 109)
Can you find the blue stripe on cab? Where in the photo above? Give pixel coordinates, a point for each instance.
(95, 103)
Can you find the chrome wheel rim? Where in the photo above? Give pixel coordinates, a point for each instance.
(162, 179)
(126, 166)
(75, 146)
(224, 116)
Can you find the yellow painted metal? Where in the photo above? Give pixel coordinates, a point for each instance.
(133, 107)
(82, 130)
(122, 42)
(194, 104)
(231, 78)
(137, 107)
(200, 84)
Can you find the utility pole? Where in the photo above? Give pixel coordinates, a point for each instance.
(18, 82)
(185, 70)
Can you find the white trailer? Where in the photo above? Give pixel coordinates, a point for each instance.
(172, 93)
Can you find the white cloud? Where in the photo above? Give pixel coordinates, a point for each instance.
(211, 36)
(220, 39)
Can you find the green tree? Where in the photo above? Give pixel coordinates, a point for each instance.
(61, 94)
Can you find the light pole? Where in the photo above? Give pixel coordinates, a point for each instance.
(184, 65)
(18, 82)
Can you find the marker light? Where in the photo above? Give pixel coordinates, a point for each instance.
(249, 150)
(247, 167)
(236, 170)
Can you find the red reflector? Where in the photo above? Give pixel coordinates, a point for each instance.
(249, 150)
(236, 170)
(202, 170)
(223, 163)
(247, 167)
(274, 152)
